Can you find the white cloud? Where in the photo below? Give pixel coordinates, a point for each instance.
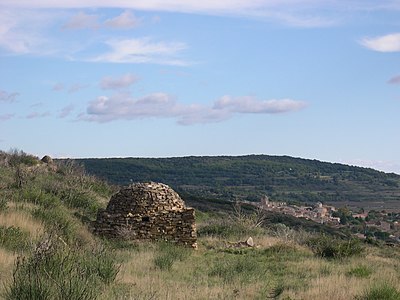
(13, 36)
(58, 87)
(394, 80)
(123, 106)
(385, 43)
(159, 5)
(5, 117)
(8, 97)
(36, 105)
(118, 83)
(142, 50)
(299, 13)
(125, 20)
(161, 105)
(37, 115)
(76, 87)
(22, 31)
(66, 111)
(83, 21)
(252, 105)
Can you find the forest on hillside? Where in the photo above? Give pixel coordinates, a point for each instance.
(250, 177)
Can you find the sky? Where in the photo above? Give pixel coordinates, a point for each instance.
(161, 78)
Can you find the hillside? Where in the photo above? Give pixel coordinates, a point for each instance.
(250, 177)
(48, 251)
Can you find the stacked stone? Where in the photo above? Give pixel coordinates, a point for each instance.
(148, 211)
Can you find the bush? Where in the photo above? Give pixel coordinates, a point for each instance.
(329, 247)
(360, 272)
(3, 204)
(62, 273)
(80, 200)
(39, 197)
(169, 253)
(380, 292)
(57, 220)
(246, 268)
(18, 157)
(13, 238)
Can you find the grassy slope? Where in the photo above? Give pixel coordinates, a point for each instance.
(250, 177)
(60, 203)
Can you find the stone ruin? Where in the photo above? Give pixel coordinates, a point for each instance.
(148, 211)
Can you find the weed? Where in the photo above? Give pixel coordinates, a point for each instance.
(61, 273)
(39, 197)
(360, 272)
(3, 204)
(328, 247)
(80, 200)
(325, 271)
(57, 220)
(383, 291)
(168, 254)
(13, 238)
(245, 268)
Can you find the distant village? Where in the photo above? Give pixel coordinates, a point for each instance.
(375, 225)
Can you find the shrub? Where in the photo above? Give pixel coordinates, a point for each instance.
(3, 204)
(169, 253)
(57, 220)
(360, 272)
(329, 247)
(39, 197)
(61, 273)
(13, 238)
(382, 291)
(18, 157)
(102, 262)
(246, 268)
(80, 200)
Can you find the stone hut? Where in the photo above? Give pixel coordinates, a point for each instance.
(47, 159)
(148, 211)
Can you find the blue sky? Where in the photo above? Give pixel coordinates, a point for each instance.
(305, 78)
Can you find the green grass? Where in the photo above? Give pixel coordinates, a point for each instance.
(360, 272)
(382, 291)
(77, 265)
(13, 238)
(168, 254)
(62, 273)
(329, 247)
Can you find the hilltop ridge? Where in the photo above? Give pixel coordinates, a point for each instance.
(252, 176)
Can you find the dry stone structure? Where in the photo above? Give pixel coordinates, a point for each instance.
(148, 211)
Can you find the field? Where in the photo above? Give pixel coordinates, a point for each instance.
(47, 251)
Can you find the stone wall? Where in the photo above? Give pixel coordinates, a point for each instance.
(148, 211)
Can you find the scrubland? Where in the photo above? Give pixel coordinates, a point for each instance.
(47, 250)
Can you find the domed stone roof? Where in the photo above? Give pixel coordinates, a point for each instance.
(47, 159)
(145, 198)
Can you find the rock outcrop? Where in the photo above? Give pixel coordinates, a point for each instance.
(148, 211)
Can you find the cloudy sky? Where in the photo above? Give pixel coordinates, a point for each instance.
(158, 78)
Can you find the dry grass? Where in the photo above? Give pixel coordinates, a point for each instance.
(28, 206)
(23, 220)
(307, 277)
(332, 280)
(334, 287)
(6, 267)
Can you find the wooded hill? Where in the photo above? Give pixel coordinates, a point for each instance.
(250, 177)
